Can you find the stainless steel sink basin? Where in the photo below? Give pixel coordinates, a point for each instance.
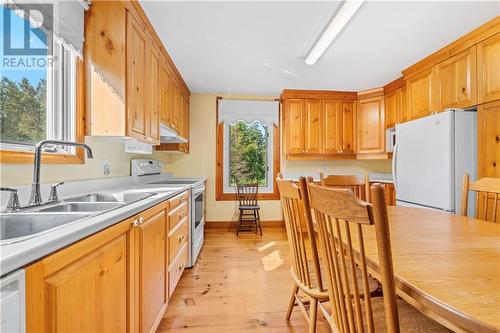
(16, 227)
(126, 197)
(71, 207)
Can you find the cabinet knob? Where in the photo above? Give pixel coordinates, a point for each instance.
(141, 219)
(181, 266)
(181, 214)
(181, 237)
(135, 223)
(497, 139)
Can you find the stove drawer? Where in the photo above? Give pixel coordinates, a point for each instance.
(176, 215)
(177, 238)
(176, 268)
(178, 200)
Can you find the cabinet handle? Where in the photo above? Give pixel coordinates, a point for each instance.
(135, 223)
(181, 266)
(141, 220)
(181, 237)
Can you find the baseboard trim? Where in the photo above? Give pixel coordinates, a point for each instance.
(232, 224)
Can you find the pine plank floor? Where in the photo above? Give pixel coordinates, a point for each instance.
(238, 285)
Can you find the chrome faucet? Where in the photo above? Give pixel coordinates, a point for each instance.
(36, 197)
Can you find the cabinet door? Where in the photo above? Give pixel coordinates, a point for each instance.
(456, 80)
(294, 125)
(332, 127)
(177, 107)
(393, 103)
(151, 258)
(153, 102)
(165, 99)
(402, 112)
(313, 126)
(489, 139)
(488, 68)
(419, 95)
(136, 79)
(86, 287)
(347, 109)
(370, 125)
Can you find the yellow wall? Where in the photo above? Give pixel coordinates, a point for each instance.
(102, 148)
(201, 161)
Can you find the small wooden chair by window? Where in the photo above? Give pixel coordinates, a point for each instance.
(306, 270)
(249, 208)
(487, 198)
(359, 185)
(343, 221)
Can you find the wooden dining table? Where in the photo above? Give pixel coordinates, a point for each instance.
(447, 266)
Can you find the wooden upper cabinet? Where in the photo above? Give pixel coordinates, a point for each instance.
(136, 79)
(332, 120)
(153, 102)
(419, 94)
(313, 130)
(85, 287)
(370, 125)
(456, 81)
(347, 109)
(488, 69)
(402, 112)
(393, 103)
(152, 273)
(294, 125)
(166, 94)
(488, 124)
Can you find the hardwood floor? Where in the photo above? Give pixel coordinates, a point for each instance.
(238, 285)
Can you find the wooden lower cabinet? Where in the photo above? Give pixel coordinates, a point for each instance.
(116, 280)
(86, 287)
(390, 193)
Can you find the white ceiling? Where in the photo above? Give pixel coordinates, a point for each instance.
(259, 47)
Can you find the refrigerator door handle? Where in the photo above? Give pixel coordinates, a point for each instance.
(394, 165)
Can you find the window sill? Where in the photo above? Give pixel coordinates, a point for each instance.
(18, 157)
(234, 196)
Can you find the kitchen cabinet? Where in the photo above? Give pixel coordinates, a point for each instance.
(151, 257)
(129, 79)
(347, 109)
(370, 125)
(488, 126)
(393, 103)
(338, 127)
(313, 131)
(294, 125)
(402, 112)
(419, 94)
(86, 287)
(488, 69)
(456, 80)
(113, 281)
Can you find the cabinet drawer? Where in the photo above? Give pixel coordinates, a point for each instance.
(176, 215)
(148, 213)
(178, 200)
(176, 269)
(177, 238)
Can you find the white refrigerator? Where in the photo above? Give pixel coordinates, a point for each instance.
(430, 158)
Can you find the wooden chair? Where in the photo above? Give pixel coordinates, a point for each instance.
(343, 219)
(306, 270)
(359, 185)
(249, 208)
(487, 191)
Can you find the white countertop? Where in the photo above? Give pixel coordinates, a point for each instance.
(17, 255)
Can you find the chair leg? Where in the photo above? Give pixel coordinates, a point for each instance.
(239, 223)
(255, 225)
(295, 290)
(259, 222)
(313, 311)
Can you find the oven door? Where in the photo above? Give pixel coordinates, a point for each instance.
(198, 210)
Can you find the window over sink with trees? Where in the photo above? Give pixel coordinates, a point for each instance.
(247, 146)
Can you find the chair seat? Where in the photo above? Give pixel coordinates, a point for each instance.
(249, 207)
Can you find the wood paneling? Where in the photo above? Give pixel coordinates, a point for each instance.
(456, 80)
(370, 125)
(313, 126)
(488, 125)
(488, 66)
(85, 287)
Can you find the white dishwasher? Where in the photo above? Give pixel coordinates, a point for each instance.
(12, 303)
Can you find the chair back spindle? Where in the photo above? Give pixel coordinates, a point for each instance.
(342, 219)
(247, 194)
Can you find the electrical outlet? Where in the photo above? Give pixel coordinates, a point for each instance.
(105, 167)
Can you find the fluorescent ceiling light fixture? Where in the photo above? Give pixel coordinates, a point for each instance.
(343, 16)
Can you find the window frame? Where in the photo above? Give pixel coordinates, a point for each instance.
(220, 166)
(25, 157)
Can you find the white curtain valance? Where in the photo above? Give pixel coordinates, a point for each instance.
(62, 19)
(248, 111)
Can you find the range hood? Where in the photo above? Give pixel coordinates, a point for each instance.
(168, 135)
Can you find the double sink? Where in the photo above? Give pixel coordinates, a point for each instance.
(19, 226)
